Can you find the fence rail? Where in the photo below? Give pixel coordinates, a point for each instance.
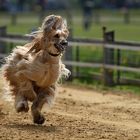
(108, 44)
(77, 42)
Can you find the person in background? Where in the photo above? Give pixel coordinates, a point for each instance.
(21, 4)
(42, 4)
(87, 7)
(42, 7)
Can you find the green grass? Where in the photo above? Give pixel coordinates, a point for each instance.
(100, 87)
(127, 32)
(131, 32)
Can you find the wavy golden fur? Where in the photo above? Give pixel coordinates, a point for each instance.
(34, 69)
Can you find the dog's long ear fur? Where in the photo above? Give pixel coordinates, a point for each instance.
(36, 45)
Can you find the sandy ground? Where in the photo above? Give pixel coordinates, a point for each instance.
(78, 114)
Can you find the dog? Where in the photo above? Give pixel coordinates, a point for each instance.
(34, 70)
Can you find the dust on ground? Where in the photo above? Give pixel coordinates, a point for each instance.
(78, 114)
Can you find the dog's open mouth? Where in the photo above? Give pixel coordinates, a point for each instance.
(61, 46)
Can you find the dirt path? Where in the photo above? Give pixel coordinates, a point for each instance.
(78, 114)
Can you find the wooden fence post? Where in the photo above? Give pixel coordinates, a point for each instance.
(108, 55)
(3, 44)
(118, 64)
(77, 60)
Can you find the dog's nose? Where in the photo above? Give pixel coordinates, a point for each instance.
(64, 42)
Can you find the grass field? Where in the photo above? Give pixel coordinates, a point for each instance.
(113, 20)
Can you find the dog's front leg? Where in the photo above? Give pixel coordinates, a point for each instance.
(36, 109)
(21, 103)
(44, 96)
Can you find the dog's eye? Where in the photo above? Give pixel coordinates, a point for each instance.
(56, 36)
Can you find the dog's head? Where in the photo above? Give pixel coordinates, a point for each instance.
(54, 34)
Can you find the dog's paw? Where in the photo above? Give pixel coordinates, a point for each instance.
(22, 107)
(39, 119)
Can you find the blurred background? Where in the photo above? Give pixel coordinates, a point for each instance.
(86, 19)
(83, 15)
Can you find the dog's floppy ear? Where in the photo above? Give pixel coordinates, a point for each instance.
(36, 46)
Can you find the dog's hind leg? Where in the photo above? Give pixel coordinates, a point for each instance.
(44, 96)
(21, 103)
(24, 94)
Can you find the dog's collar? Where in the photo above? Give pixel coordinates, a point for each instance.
(55, 55)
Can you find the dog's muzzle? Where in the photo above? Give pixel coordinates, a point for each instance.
(61, 46)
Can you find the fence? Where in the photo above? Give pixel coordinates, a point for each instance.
(110, 63)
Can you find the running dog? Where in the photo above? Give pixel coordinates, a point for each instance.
(33, 70)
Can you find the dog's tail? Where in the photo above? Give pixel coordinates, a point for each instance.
(8, 73)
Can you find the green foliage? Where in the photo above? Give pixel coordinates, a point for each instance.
(99, 87)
